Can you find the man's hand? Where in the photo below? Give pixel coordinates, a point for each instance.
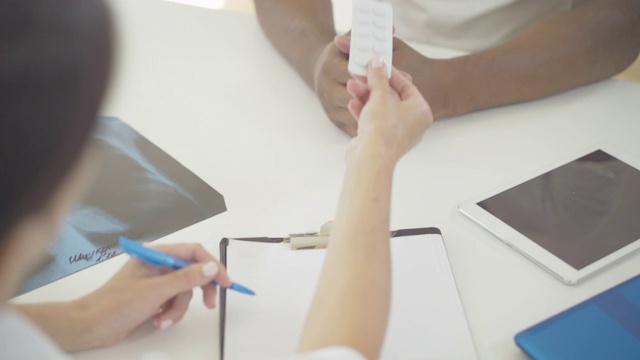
(330, 83)
(331, 76)
(431, 76)
(593, 40)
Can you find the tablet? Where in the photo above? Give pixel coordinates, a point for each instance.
(573, 218)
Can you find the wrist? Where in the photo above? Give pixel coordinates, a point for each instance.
(373, 151)
(438, 80)
(82, 330)
(435, 84)
(87, 325)
(66, 323)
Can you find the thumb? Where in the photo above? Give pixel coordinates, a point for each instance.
(185, 279)
(377, 76)
(343, 43)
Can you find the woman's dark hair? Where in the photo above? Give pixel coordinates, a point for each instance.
(54, 64)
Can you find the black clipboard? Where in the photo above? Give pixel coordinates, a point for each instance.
(224, 244)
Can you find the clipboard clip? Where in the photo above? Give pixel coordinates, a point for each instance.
(298, 241)
(317, 240)
(320, 239)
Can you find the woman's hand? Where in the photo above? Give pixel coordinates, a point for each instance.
(140, 292)
(392, 115)
(135, 294)
(353, 297)
(331, 75)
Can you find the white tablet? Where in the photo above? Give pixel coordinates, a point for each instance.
(573, 218)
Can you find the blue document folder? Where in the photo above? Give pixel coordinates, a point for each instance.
(606, 326)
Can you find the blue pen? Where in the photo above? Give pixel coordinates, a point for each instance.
(160, 259)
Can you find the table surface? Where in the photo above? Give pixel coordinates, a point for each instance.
(208, 88)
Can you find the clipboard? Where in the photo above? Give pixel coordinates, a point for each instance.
(426, 321)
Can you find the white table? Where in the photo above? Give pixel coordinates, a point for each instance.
(209, 89)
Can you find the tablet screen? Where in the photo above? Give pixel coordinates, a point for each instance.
(580, 212)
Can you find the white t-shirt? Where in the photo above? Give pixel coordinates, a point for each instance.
(470, 25)
(20, 339)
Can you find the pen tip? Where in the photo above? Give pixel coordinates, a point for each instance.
(242, 289)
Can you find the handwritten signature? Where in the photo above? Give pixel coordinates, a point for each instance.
(97, 255)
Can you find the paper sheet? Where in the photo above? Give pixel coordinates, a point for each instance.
(427, 319)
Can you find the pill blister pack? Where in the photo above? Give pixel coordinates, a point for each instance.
(371, 35)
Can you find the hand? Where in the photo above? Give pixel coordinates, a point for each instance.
(330, 79)
(433, 77)
(139, 292)
(391, 114)
(330, 83)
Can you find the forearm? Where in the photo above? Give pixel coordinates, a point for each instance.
(65, 322)
(299, 30)
(593, 41)
(351, 305)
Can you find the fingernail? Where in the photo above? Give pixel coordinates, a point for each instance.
(376, 62)
(165, 324)
(210, 269)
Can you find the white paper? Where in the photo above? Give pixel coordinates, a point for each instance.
(427, 319)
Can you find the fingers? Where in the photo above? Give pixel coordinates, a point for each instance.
(343, 119)
(343, 43)
(377, 77)
(358, 90)
(402, 85)
(405, 74)
(341, 72)
(187, 252)
(335, 96)
(209, 295)
(175, 310)
(355, 108)
(205, 269)
(335, 104)
(173, 283)
(333, 70)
